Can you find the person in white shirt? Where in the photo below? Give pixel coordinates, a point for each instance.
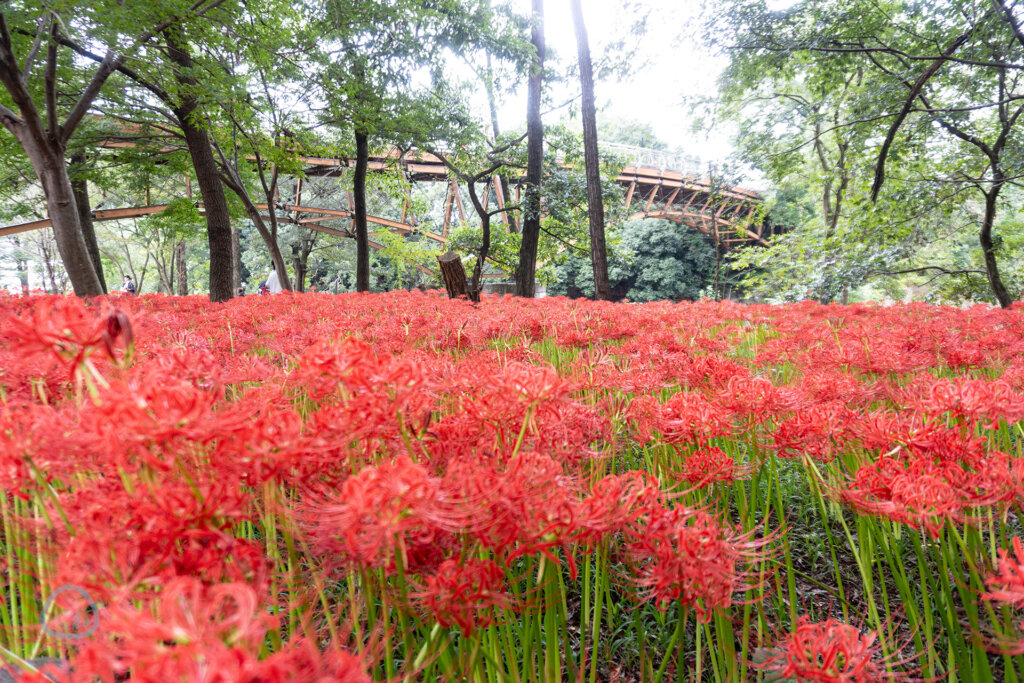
(273, 284)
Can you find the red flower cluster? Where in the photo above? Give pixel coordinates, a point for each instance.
(230, 459)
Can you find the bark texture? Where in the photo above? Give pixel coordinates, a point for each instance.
(359, 213)
(595, 201)
(527, 269)
(80, 187)
(215, 204)
(454, 276)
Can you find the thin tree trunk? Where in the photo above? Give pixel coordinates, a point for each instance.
(218, 220)
(359, 214)
(236, 258)
(182, 269)
(988, 248)
(485, 242)
(80, 188)
(527, 269)
(21, 263)
(595, 201)
(299, 266)
(234, 183)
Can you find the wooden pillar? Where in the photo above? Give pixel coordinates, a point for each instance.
(454, 275)
(629, 194)
(449, 205)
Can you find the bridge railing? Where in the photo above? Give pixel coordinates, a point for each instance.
(654, 158)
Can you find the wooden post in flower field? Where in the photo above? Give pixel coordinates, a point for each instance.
(454, 276)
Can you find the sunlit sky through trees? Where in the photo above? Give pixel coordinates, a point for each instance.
(671, 67)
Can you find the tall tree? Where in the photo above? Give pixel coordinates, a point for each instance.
(935, 87)
(378, 49)
(39, 122)
(171, 76)
(359, 212)
(187, 111)
(527, 268)
(598, 248)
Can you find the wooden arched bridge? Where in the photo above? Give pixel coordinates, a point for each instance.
(727, 215)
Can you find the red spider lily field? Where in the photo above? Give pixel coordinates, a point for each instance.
(402, 487)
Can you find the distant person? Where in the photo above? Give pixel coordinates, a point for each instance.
(240, 292)
(128, 287)
(273, 284)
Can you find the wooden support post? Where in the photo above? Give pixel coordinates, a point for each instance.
(650, 199)
(500, 198)
(487, 194)
(629, 193)
(668, 204)
(188, 187)
(458, 202)
(449, 205)
(298, 196)
(454, 276)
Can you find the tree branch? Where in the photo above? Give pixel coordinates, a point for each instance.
(876, 185)
(34, 50)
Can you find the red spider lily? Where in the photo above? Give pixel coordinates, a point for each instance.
(688, 417)
(37, 443)
(68, 331)
(927, 492)
(187, 632)
(706, 465)
(975, 400)
(303, 660)
(828, 652)
(128, 543)
(642, 415)
(685, 555)
(382, 510)
(819, 432)
(754, 398)
(616, 503)
(527, 507)
(465, 595)
(150, 419)
(1006, 583)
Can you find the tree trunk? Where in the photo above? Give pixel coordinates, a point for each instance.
(527, 269)
(236, 258)
(359, 214)
(80, 188)
(485, 242)
(182, 269)
(67, 227)
(454, 276)
(988, 248)
(215, 204)
(45, 145)
(299, 266)
(21, 263)
(595, 201)
(234, 182)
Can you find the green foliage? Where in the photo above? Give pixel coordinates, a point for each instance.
(657, 259)
(815, 91)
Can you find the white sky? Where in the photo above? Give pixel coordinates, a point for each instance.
(677, 66)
